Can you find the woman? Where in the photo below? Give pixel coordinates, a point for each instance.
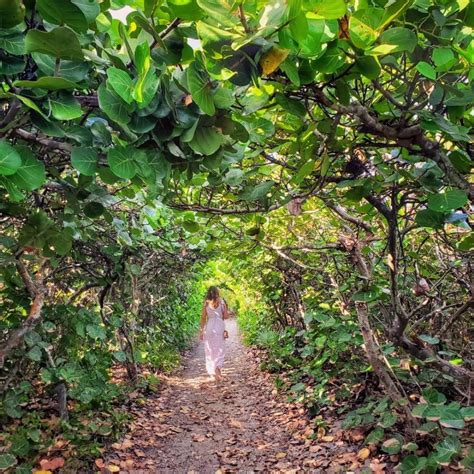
(214, 311)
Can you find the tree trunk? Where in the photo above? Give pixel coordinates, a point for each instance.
(373, 352)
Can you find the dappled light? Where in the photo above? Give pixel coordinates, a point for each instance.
(302, 166)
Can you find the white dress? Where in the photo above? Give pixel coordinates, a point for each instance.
(214, 337)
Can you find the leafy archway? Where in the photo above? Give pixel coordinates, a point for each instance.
(320, 148)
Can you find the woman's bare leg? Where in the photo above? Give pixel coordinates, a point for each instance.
(218, 374)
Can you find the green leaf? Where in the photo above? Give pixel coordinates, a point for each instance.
(426, 70)
(48, 83)
(466, 243)
(7, 461)
(468, 461)
(467, 413)
(429, 339)
(329, 9)
(34, 353)
(220, 11)
(388, 419)
(149, 88)
(369, 66)
(257, 192)
(206, 140)
(12, 13)
(13, 44)
(413, 464)
(363, 27)
(200, 89)
(113, 106)
(120, 356)
(394, 10)
(185, 9)
(10, 65)
(10, 160)
(432, 396)
(31, 174)
(234, 177)
(60, 43)
(391, 446)
(65, 107)
(93, 210)
(291, 71)
(429, 218)
(121, 82)
(62, 12)
(121, 162)
(75, 71)
(96, 332)
(293, 106)
(84, 160)
(443, 57)
(451, 417)
(89, 8)
(371, 294)
(446, 449)
(375, 436)
(395, 40)
(303, 172)
(447, 200)
(142, 63)
(191, 226)
(223, 98)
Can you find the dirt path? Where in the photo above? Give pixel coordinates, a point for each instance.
(196, 426)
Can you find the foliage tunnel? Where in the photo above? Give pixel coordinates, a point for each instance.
(310, 156)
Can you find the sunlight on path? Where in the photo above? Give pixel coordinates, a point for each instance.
(197, 426)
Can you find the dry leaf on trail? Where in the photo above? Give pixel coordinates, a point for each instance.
(235, 424)
(280, 455)
(363, 454)
(199, 438)
(51, 464)
(327, 439)
(139, 453)
(112, 468)
(125, 444)
(100, 463)
(377, 467)
(176, 429)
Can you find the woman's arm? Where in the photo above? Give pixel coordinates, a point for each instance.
(203, 321)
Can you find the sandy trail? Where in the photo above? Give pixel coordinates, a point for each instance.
(197, 426)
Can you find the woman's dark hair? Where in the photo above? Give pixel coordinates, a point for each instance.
(212, 295)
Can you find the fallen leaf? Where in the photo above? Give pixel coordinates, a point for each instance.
(100, 463)
(363, 454)
(280, 455)
(327, 439)
(112, 468)
(51, 464)
(235, 424)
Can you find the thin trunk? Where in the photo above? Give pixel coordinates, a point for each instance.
(374, 356)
